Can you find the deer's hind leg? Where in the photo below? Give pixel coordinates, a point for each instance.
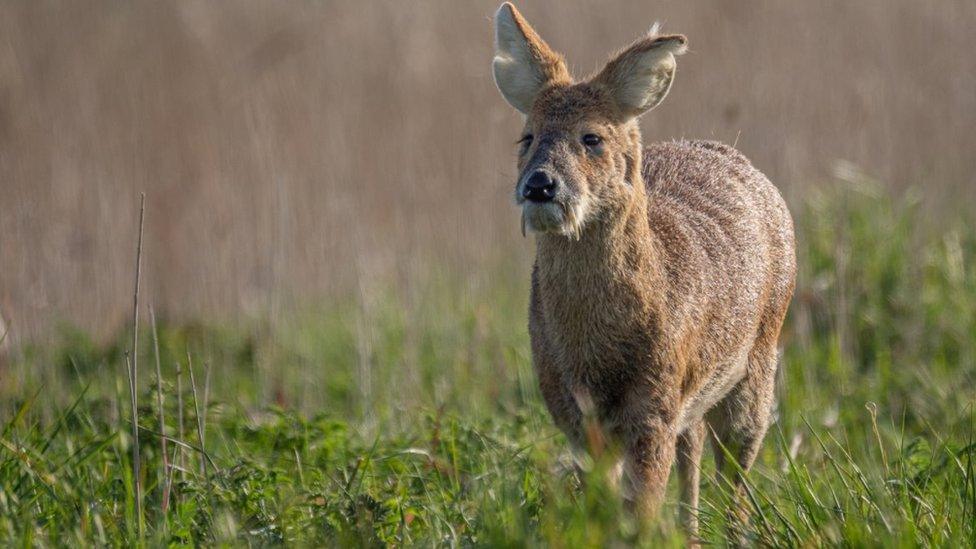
(739, 423)
(689, 453)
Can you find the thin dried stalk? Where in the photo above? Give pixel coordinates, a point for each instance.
(177, 451)
(179, 416)
(206, 399)
(133, 369)
(162, 417)
(200, 418)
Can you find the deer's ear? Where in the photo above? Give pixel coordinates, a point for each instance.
(640, 76)
(523, 63)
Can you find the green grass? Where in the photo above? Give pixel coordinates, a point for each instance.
(410, 416)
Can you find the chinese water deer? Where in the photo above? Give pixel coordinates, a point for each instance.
(662, 274)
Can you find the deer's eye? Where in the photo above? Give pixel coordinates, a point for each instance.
(592, 140)
(525, 143)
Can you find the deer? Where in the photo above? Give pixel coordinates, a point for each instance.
(662, 274)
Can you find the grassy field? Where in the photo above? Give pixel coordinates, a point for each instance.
(411, 417)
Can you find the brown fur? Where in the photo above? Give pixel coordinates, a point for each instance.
(661, 308)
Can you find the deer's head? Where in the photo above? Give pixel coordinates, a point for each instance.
(579, 151)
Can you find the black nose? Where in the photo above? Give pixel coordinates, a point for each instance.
(539, 188)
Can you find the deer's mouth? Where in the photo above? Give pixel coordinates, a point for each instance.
(554, 217)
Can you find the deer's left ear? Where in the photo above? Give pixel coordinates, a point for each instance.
(524, 64)
(639, 78)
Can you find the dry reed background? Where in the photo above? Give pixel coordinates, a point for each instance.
(297, 149)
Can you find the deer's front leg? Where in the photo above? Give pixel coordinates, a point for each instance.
(649, 455)
(649, 437)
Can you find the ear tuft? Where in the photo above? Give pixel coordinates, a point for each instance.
(640, 77)
(676, 44)
(523, 64)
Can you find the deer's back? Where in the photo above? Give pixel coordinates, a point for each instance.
(726, 242)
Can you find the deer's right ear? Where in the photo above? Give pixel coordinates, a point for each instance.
(523, 63)
(640, 76)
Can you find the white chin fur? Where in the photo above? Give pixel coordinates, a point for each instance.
(552, 218)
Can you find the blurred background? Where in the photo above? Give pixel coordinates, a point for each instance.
(294, 152)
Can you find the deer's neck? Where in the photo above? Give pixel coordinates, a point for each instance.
(611, 275)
